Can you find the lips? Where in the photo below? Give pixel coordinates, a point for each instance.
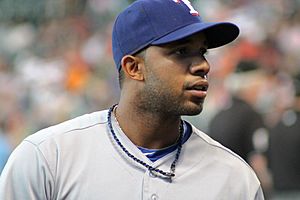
(198, 89)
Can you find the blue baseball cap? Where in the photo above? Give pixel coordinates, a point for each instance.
(157, 22)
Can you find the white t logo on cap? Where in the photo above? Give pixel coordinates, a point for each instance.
(189, 5)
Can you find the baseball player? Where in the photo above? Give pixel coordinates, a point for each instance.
(140, 148)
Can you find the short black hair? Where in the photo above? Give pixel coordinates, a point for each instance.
(121, 77)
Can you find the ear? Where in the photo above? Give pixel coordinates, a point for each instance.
(132, 66)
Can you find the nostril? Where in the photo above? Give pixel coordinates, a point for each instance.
(203, 74)
(200, 69)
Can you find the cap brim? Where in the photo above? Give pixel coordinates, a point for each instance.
(217, 34)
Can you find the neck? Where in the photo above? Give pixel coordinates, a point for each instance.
(145, 129)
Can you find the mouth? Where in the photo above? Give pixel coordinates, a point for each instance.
(198, 89)
(203, 88)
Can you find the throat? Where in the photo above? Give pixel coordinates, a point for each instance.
(153, 170)
(161, 141)
(148, 131)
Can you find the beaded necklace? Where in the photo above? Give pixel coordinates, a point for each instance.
(153, 170)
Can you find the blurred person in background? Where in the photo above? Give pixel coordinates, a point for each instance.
(238, 125)
(237, 122)
(284, 149)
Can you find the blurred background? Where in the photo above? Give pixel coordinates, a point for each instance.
(56, 64)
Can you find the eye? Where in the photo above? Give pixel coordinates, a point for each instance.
(181, 51)
(187, 52)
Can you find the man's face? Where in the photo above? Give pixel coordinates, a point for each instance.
(175, 77)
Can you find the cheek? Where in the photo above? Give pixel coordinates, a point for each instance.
(167, 74)
(174, 83)
(174, 87)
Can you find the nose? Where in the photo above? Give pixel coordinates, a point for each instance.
(200, 67)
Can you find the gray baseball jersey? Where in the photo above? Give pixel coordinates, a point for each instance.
(79, 159)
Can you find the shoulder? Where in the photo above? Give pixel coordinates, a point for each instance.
(220, 155)
(222, 168)
(46, 148)
(70, 127)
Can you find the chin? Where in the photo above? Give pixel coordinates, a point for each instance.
(192, 110)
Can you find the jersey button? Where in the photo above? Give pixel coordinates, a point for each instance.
(154, 197)
(152, 175)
